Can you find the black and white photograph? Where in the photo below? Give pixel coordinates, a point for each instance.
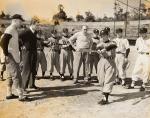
(74, 58)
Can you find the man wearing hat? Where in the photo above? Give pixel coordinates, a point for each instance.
(107, 29)
(2, 66)
(121, 59)
(94, 56)
(142, 65)
(10, 46)
(83, 42)
(106, 67)
(41, 58)
(54, 53)
(66, 54)
(28, 46)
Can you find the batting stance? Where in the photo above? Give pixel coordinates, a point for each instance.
(142, 64)
(106, 67)
(10, 46)
(66, 54)
(94, 56)
(54, 53)
(121, 59)
(83, 41)
(41, 59)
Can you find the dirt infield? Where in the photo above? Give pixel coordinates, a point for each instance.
(58, 99)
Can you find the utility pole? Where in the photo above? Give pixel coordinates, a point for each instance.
(126, 22)
(115, 5)
(139, 18)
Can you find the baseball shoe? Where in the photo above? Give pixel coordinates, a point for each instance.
(103, 102)
(62, 77)
(142, 88)
(34, 87)
(12, 96)
(129, 87)
(25, 92)
(52, 77)
(71, 76)
(76, 82)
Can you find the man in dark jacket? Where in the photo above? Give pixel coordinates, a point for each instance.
(28, 43)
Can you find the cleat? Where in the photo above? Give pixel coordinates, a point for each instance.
(142, 88)
(11, 97)
(103, 102)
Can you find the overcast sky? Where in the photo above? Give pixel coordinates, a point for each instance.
(47, 8)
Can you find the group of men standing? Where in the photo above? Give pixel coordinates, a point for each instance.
(108, 56)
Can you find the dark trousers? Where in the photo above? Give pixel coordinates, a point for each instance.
(29, 59)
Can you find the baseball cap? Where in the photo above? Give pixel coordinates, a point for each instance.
(54, 31)
(103, 32)
(143, 30)
(119, 30)
(17, 16)
(107, 29)
(65, 30)
(95, 31)
(2, 25)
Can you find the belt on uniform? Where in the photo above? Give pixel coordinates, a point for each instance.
(120, 53)
(146, 53)
(54, 50)
(39, 49)
(109, 58)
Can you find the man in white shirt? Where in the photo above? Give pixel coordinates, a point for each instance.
(10, 46)
(83, 42)
(122, 53)
(142, 64)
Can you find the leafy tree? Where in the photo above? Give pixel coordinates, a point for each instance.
(89, 17)
(2, 15)
(61, 15)
(79, 17)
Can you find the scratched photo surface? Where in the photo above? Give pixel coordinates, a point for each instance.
(59, 55)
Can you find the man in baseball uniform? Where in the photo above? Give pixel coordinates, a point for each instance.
(66, 54)
(122, 53)
(41, 58)
(54, 53)
(83, 42)
(106, 67)
(10, 46)
(94, 56)
(142, 65)
(2, 66)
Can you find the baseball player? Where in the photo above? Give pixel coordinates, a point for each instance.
(66, 54)
(94, 56)
(54, 53)
(122, 53)
(106, 67)
(10, 46)
(2, 66)
(41, 59)
(142, 64)
(83, 42)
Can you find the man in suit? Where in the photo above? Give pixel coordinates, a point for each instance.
(28, 44)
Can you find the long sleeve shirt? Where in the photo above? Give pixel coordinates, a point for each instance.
(10, 43)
